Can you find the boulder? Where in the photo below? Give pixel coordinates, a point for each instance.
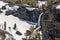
(3, 7)
(18, 33)
(1, 11)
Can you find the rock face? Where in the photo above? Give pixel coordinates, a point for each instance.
(50, 23)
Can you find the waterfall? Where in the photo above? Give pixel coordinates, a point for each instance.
(39, 19)
(39, 26)
(39, 22)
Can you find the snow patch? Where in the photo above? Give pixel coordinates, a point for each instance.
(22, 26)
(30, 9)
(58, 7)
(2, 4)
(12, 8)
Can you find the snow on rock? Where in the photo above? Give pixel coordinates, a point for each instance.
(58, 7)
(12, 8)
(30, 9)
(2, 4)
(9, 8)
(22, 26)
(15, 7)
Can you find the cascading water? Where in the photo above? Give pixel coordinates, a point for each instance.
(39, 19)
(39, 26)
(39, 22)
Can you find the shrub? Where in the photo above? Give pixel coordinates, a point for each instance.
(49, 2)
(29, 2)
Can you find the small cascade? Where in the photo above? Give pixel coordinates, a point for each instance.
(39, 19)
(38, 27)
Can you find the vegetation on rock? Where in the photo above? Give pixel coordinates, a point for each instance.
(29, 2)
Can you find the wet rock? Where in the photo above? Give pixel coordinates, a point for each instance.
(18, 33)
(29, 15)
(15, 26)
(1, 11)
(10, 12)
(3, 7)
